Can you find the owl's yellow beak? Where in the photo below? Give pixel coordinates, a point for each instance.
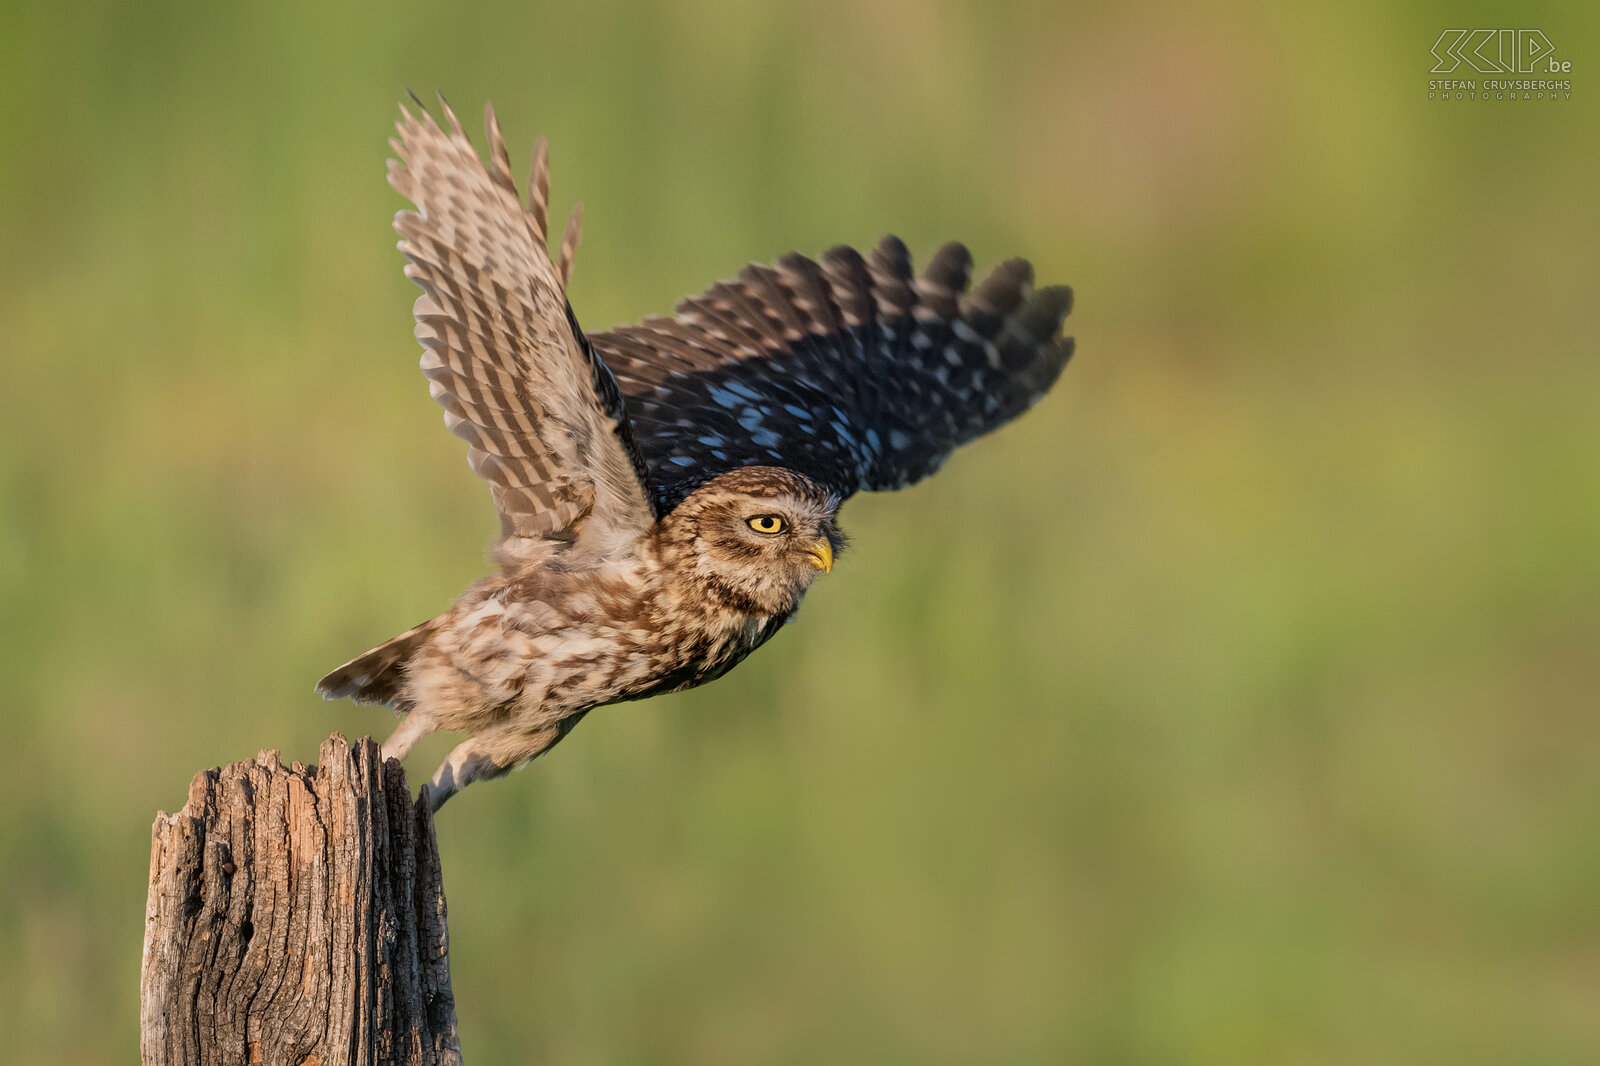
(821, 555)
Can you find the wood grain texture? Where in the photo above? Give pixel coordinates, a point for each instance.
(296, 916)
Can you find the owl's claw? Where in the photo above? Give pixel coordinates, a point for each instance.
(435, 796)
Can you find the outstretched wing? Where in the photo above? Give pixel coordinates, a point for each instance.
(853, 372)
(542, 417)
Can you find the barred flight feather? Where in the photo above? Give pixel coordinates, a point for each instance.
(854, 372)
(544, 423)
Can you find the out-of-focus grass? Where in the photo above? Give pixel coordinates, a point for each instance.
(1237, 705)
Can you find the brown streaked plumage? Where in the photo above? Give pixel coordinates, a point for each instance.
(667, 491)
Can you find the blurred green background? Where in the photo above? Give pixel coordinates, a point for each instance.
(1236, 706)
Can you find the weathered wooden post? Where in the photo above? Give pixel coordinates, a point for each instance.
(296, 916)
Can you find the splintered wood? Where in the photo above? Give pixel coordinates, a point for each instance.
(296, 917)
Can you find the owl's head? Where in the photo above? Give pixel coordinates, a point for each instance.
(754, 538)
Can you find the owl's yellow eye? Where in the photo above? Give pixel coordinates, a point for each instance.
(766, 523)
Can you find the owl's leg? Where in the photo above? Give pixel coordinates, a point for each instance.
(486, 757)
(412, 728)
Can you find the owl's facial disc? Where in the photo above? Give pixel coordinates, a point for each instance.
(761, 535)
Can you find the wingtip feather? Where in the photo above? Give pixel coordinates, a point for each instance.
(539, 189)
(569, 242)
(450, 116)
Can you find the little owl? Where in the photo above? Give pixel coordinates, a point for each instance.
(667, 491)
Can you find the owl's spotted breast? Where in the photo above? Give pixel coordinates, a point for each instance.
(533, 648)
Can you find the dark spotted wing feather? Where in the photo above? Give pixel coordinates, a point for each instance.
(544, 421)
(852, 371)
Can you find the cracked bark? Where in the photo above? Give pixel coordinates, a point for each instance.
(296, 916)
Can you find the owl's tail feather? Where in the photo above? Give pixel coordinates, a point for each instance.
(377, 676)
